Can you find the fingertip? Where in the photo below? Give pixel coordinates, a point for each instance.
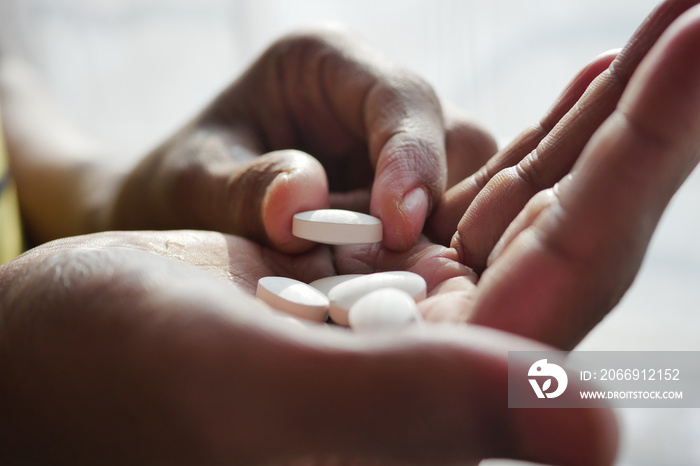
(403, 218)
(303, 186)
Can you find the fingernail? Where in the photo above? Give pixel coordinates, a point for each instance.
(414, 206)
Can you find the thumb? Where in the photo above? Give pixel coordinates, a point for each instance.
(262, 197)
(201, 180)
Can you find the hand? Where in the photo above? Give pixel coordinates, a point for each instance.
(358, 124)
(553, 271)
(118, 348)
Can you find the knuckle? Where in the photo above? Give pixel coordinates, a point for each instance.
(529, 171)
(419, 85)
(413, 156)
(400, 85)
(472, 135)
(313, 40)
(469, 141)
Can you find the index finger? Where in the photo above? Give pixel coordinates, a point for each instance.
(400, 118)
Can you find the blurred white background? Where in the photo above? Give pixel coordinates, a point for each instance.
(132, 71)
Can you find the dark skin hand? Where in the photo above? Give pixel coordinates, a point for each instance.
(164, 326)
(556, 262)
(153, 351)
(317, 121)
(147, 347)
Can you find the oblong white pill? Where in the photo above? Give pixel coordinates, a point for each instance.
(344, 295)
(384, 309)
(325, 285)
(336, 226)
(293, 297)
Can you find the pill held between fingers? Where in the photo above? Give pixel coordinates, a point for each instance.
(293, 297)
(337, 226)
(344, 295)
(325, 285)
(384, 309)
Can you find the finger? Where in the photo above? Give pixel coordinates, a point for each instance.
(301, 187)
(558, 278)
(347, 102)
(540, 202)
(208, 187)
(457, 200)
(407, 146)
(436, 264)
(468, 146)
(508, 192)
(399, 118)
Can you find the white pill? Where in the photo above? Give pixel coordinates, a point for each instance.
(344, 295)
(325, 285)
(293, 297)
(335, 226)
(385, 309)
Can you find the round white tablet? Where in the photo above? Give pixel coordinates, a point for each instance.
(335, 226)
(293, 297)
(385, 309)
(325, 285)
(344, 295)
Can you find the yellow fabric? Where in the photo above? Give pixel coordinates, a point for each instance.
(10, 230)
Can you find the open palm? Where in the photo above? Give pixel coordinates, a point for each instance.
(158, 333)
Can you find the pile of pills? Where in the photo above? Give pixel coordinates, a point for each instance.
(376, 301)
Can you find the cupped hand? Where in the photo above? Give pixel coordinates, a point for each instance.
(557, 258)
(148, 348)
(317, 121)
